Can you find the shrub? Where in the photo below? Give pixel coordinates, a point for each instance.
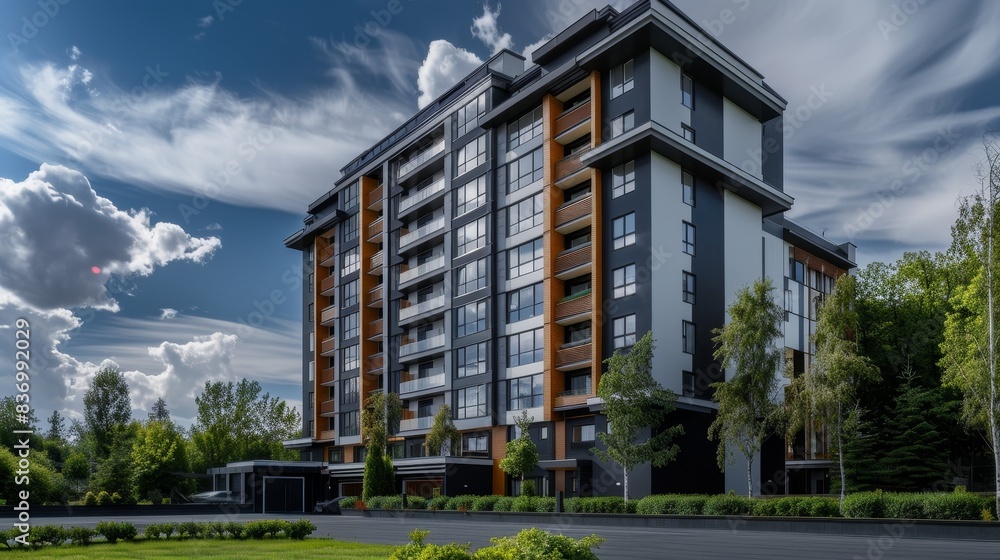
(103, 498)
(54, 535)
(300, 529)
(503, 503)
(525, 503)
(255, 529)
(392, 502)
(728, 504)
(188, 529)
(375, 502)
(865, 504)
(235, 529)
(767, 507)
(89, 499)
(987, 515)
(416, 502)
(275, 526)
(168, 529)
(545, 505)
(461, 503)
(535, 543)
(152, 531)
(571, 505)
(957, 505)
(904, 506)
(81, 535)
(116, 499)
(214, 529)
(417, 550)
(116, 531)
(671, 504)
(528, 488)
(607, 504)
(484, 503)
(348, 502)
(438, 503)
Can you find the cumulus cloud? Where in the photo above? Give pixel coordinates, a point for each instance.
(443, 67)
(167, 313)
(62, 242)
(486, 28)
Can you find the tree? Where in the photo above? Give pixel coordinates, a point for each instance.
(158, 456)
(379, 420)
(521, 453)
(749, 411)
(443, 437)
(11, 420)
(917, 454)
(235, 422)
(76, 470)
(970, 345)
(106, 408)
(160, 412)
(829, 389)
(635, 402)
(57, 427)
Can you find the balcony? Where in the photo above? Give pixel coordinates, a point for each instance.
(328, 376)
(572, 124)
(422, 233)
(375, 265)
(327, 435)
(422, 423)
(375, 230)
(410, 274)
(575, 356)
(573, 398)
(375, 363)
(575, 309)
(422, 193)
(328, 256)
(375, 196)
(375, 296)
(328, 408)
(570, 170)
(421, 157)
(410, 346)
(375, 329)
(422, 383)
(412, 310)
(575, 215)
(327, 285)
(573, 262)
(328, 346)
(328, 317)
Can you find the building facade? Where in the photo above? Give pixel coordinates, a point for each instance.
(491, 253)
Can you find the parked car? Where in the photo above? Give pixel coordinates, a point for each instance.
(330, 506)
(216, 497)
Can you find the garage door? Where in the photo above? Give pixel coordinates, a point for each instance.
(284, 494)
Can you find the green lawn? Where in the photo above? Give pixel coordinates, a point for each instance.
(241, 550)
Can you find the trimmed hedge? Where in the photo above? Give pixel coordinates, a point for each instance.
(884, 505)
(112, 531)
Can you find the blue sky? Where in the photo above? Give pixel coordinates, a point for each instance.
(175, 145)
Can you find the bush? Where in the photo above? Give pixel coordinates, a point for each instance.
(461, 503)
(545, 505)
(528, 488)
(571, 505)
(90, 499)
(300, 529)
(608, 504)
(484, 503)
(671, 504)
(904, 506)
(416, 502)
(728, 504)
(525, 503)
(188, 529)
(865, 504)
(235, 529)
(54, 535)
(417, 550)
(116, 499)
(535, 543)
(348, 502)
(214, 529)
(103, 498)
(767, 507)
(116, 531)
(81, 535)
(392, 502)
(958, 505)
(438, 503)
(375, 502)
(7, 536)
(255, 529)
(152, 531)
(503, 503)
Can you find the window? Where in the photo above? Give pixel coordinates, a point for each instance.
(525, 259)
(470, 196)
(687, 91)
(470, 318)
(622, 124)
(577, 238)
(687, 382)
(349, 229)
(470, 360)
(350, 196)
(624, 331)
(624, 281)
(687, 239)
(624, 230)
(524, 303)
(349, 326)
(471, 236)
(578, 285)
(583, 434)
(524, 128)
(311, 313)
(579, 383)
(470, 402)
(525, 392)
(688, 287)
(579, 333)
(621, 79)
(349, 423)
(687, 337)
(797, 271)
(525, 348)
(424, 408)
(471, 155)
(525, 171)
(350, 294)
(312, 281)
(335, 455)
(623, 179)
(468, 116)
(471, 277)
(349, 391)
(688, 133)
(687, 188)
(578, 192)
(352, 262)
(525, 215)
(351, 357)
(477, 444)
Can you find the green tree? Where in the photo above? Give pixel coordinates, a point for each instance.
(46, 485)
(749, 410)
(158, 456)
(235, 422)
(115, 472)
(443, 437)
(379, 421)
(11, 420)
(76, 470)
(829, 389)
(57, 427)
(635, 402)
(106, 408)
(160, 412)
(521, 453)
(917, 455)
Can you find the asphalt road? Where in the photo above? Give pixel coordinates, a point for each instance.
(624, 542)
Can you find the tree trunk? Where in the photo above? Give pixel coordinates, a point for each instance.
(840, 454)
(990, 288)
(625, 490)
(749, 476)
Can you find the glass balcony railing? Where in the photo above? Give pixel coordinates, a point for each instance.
(419, 158)
(422, 423)
(434, 226)
(432, 188)
(434, 340)
(423, 383)
(426, 268)
(435, 302)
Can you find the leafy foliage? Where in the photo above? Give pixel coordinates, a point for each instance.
(107, 408)
(443, 437)
(158, 453)
(380, 419)
(521, 453)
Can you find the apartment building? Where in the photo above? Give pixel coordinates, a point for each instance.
(497, 247)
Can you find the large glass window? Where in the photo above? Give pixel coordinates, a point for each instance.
(623, 229)
(471, 277)
(525, 259)
(623, 179)
(470, 318)
(688, 287)
(349, 326)
(470, 196)
(621, 79)
(470, 402)
(471, 155)
(349, 391)
(352, 262)
(351, 357)
(524, 128)
(624, 281)
(350, 294)
(687, 337)
(525, 171)
(687, 238)
(350, 196)
(471, 360)
(624, 331)
(525, 215)
(471, 236)
(583, 434)
(525, 392)
(467, 117)
(622, 124)
(349, 229)
(349, 423)
(525, 348)
(524, 303)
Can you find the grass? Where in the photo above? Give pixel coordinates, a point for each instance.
(213, 548)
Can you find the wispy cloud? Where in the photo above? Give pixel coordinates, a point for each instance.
(486, 28)
(206, 21)
(167, 313)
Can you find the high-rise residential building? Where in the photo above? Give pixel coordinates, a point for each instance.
(497, 247)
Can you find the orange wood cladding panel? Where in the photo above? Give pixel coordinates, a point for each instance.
(574, 258)
(576, 306)
(571, 119)
(576, 210)
(323, 246)
(816, 263)
(368, 282)
(498, 442)
(596, 235)
(349, 454)
(553, 243)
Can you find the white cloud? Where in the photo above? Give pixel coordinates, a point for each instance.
(167, 313)
(206, 21)
(486, 28)
(443, 67)
(74, 53)
(215, 226)
(62, 242)
(526, 53)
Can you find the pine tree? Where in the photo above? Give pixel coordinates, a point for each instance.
(917, 455)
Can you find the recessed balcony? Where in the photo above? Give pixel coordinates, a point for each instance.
(328, 347)
(412, 347)
(429, 189)
(574, 262)
(423, 234)
(410, 424)
(375, 264)
(327, 286)
(328, 408)
(420, 158)
(433, 378)
(573, 398)
(570, 170)
(375, 329)
(574, 356)
(411, 310)
(375, 296)
(407, 274)
(326, 435)
(574, 215)
(375, 230)
(576, 308)
(375, 196)
(328, 256)
(328, 376)
(375, 363)
(328, 317)
(573, 124)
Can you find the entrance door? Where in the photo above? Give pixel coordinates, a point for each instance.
(284, 494)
